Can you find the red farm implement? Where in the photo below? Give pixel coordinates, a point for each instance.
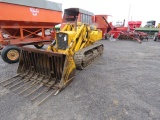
(138, 36)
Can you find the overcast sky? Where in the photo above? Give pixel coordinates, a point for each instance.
(140, 10)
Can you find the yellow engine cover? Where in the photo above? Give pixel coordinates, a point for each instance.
(95, 35)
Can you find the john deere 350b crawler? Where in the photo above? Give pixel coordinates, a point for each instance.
(51, 70)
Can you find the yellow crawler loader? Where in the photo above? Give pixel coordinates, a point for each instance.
(53, 69)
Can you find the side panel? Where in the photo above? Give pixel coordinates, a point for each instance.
(99, 21)
(14, 13)
(45, 4)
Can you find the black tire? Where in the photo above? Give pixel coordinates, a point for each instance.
(39, 46)
(10, 54)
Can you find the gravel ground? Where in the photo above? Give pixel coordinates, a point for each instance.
(124, 84)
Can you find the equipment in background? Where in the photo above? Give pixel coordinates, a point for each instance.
(132, 35)
(72, 15)
(26, 23)
(121, 32)
(150, 24)
(49, 71)
(134, 24)
(101, 24)
(156, 36)
(149, 28)
(108, 29)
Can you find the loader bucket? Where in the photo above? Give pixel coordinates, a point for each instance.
(43, 70)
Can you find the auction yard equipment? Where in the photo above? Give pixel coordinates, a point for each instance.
(83, 16)
(53, 69)
(149, 28)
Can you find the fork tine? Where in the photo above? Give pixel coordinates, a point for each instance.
(33, 84)
(34, 90)
(40, 94)
(22, 85)
(17, 83)
(46, 98)
(10, 78)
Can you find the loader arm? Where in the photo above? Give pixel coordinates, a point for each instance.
(68, 27)
(79, 41)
